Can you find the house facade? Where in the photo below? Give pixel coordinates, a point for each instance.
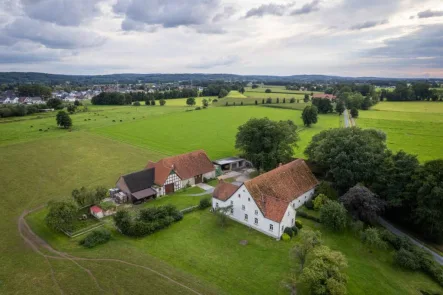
(269, 202)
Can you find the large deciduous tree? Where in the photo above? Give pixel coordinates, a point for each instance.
(325, 274)
(190, 101)
(333, 215)
(267, 143)
(63, 119)
(310, 115)
(363, 204)
(340, 107)
(348, 155)
(323, 105)
(61, 215)
(310, 240)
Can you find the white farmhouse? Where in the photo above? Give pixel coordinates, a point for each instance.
(268, 203)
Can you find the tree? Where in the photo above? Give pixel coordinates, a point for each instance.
(333, 216)
(254, 86)
(310, 115)
(162, 102)
(242, 90)
(309, 241)
(205, 102)
(71, 108)
(63, 120)
(222, 215)
(61, 215)
(54, 103)
(319, 201)
(306, 98)
(339, 107)
(372, 237)
(77, 103)
(348, 155)
(136, 103)
(190, 101)
(363, 204)
(268, 90)
(267, 143)
(153, 102)
(354, 113)
(223, 92)
(323, 105)
(327, 190)
(366, 103)
(325, 274)
(427, 186)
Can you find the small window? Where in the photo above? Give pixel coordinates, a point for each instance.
(232, 210)
(292, 221)
(232, 202)
(249, 199)
(216, 205)
(288, 213)
(299, 201)
(271, 227)
(256, 212)
(246, 217)
(239, 195)
(256, 221)
(243, 207)
(282, 227)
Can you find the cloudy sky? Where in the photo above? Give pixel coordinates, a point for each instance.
(386, 38)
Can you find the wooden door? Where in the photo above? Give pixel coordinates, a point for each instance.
(198, 179)
(169, 188)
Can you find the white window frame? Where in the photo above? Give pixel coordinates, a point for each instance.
(271, 227)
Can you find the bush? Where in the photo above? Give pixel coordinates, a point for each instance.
(214, 100)
(137, 104)
(333, 215)
(198, 108)
(295, 230)
(327, 190)
(307, 216)
(309, 204)
(354, 112)
(268, 90)
(406, 259)
(96, 237)
(292, 100)
(269, 100)
(204, 203)
(289, 231)
(162, 102)
(319, 201)
(298, 224)
(357, 226)
(371, 237)
(285, 237)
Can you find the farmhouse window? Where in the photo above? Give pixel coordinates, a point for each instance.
(249, 199)
(239, 195)
(292, 221)
(256, 221)
(216, 205)
(232, 210)
(246, 217)
(243, 207)
(232, 202)
(256, 212)
(271, 227)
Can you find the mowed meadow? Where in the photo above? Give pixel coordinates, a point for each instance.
(415, 127)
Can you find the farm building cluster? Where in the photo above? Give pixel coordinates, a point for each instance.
(267, 203)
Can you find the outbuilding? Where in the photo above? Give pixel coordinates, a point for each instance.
(96, 211)
(231, 163)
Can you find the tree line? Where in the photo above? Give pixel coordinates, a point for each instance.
(413, 92)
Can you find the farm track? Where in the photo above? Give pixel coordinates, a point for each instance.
(37, 244)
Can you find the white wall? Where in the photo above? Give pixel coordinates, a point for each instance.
(172, 178)
(243, 198)
(300, 201)
(209, 175)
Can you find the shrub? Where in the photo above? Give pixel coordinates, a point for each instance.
(241, 103)
(204, 203)
(289, 231)
(327, 190)
(354, 112)
(298, 224)
(269, 100)
(96, 237)
(309, 204)
(295, 230)
(371, 237)
(226, 104)
(292, 100)
(198, 108)
(357, 226)
(285, 237)
(406, 259)
(256, 102)
(214, 100)
(268, 90)
(137, 104)
(333, 215)
(319, 201)
(162, 102)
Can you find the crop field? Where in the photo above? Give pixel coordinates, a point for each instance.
(251, 101)
(415, 127)
(212, 129)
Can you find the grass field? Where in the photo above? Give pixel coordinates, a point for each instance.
(214, 129)
(235, 94)
(415, 127)
(197, 245)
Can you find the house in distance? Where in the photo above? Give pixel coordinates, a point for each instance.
(167, 176)
(268, 202)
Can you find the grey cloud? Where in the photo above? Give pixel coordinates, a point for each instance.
(430, 13)
(269, 9)
(227, 12)
(62, 12)
(165, 13)
(368, 24)
(225, 61)
(131, 25)
(307, 8)
(25, 57)
(52, 36)
(422, 47)
(210, 29)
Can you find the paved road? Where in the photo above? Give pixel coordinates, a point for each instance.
(346, 117)
(399, 233)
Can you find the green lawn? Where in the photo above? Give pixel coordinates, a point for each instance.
(235, 94)
(212, 129)
(415, 127)
(198, 246)
(180, 199)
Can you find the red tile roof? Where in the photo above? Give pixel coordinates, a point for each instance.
(275, 190)
(322, 95)
(224, 190)
(96, 209)
(185, 165)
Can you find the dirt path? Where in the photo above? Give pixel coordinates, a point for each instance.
(37, 244)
